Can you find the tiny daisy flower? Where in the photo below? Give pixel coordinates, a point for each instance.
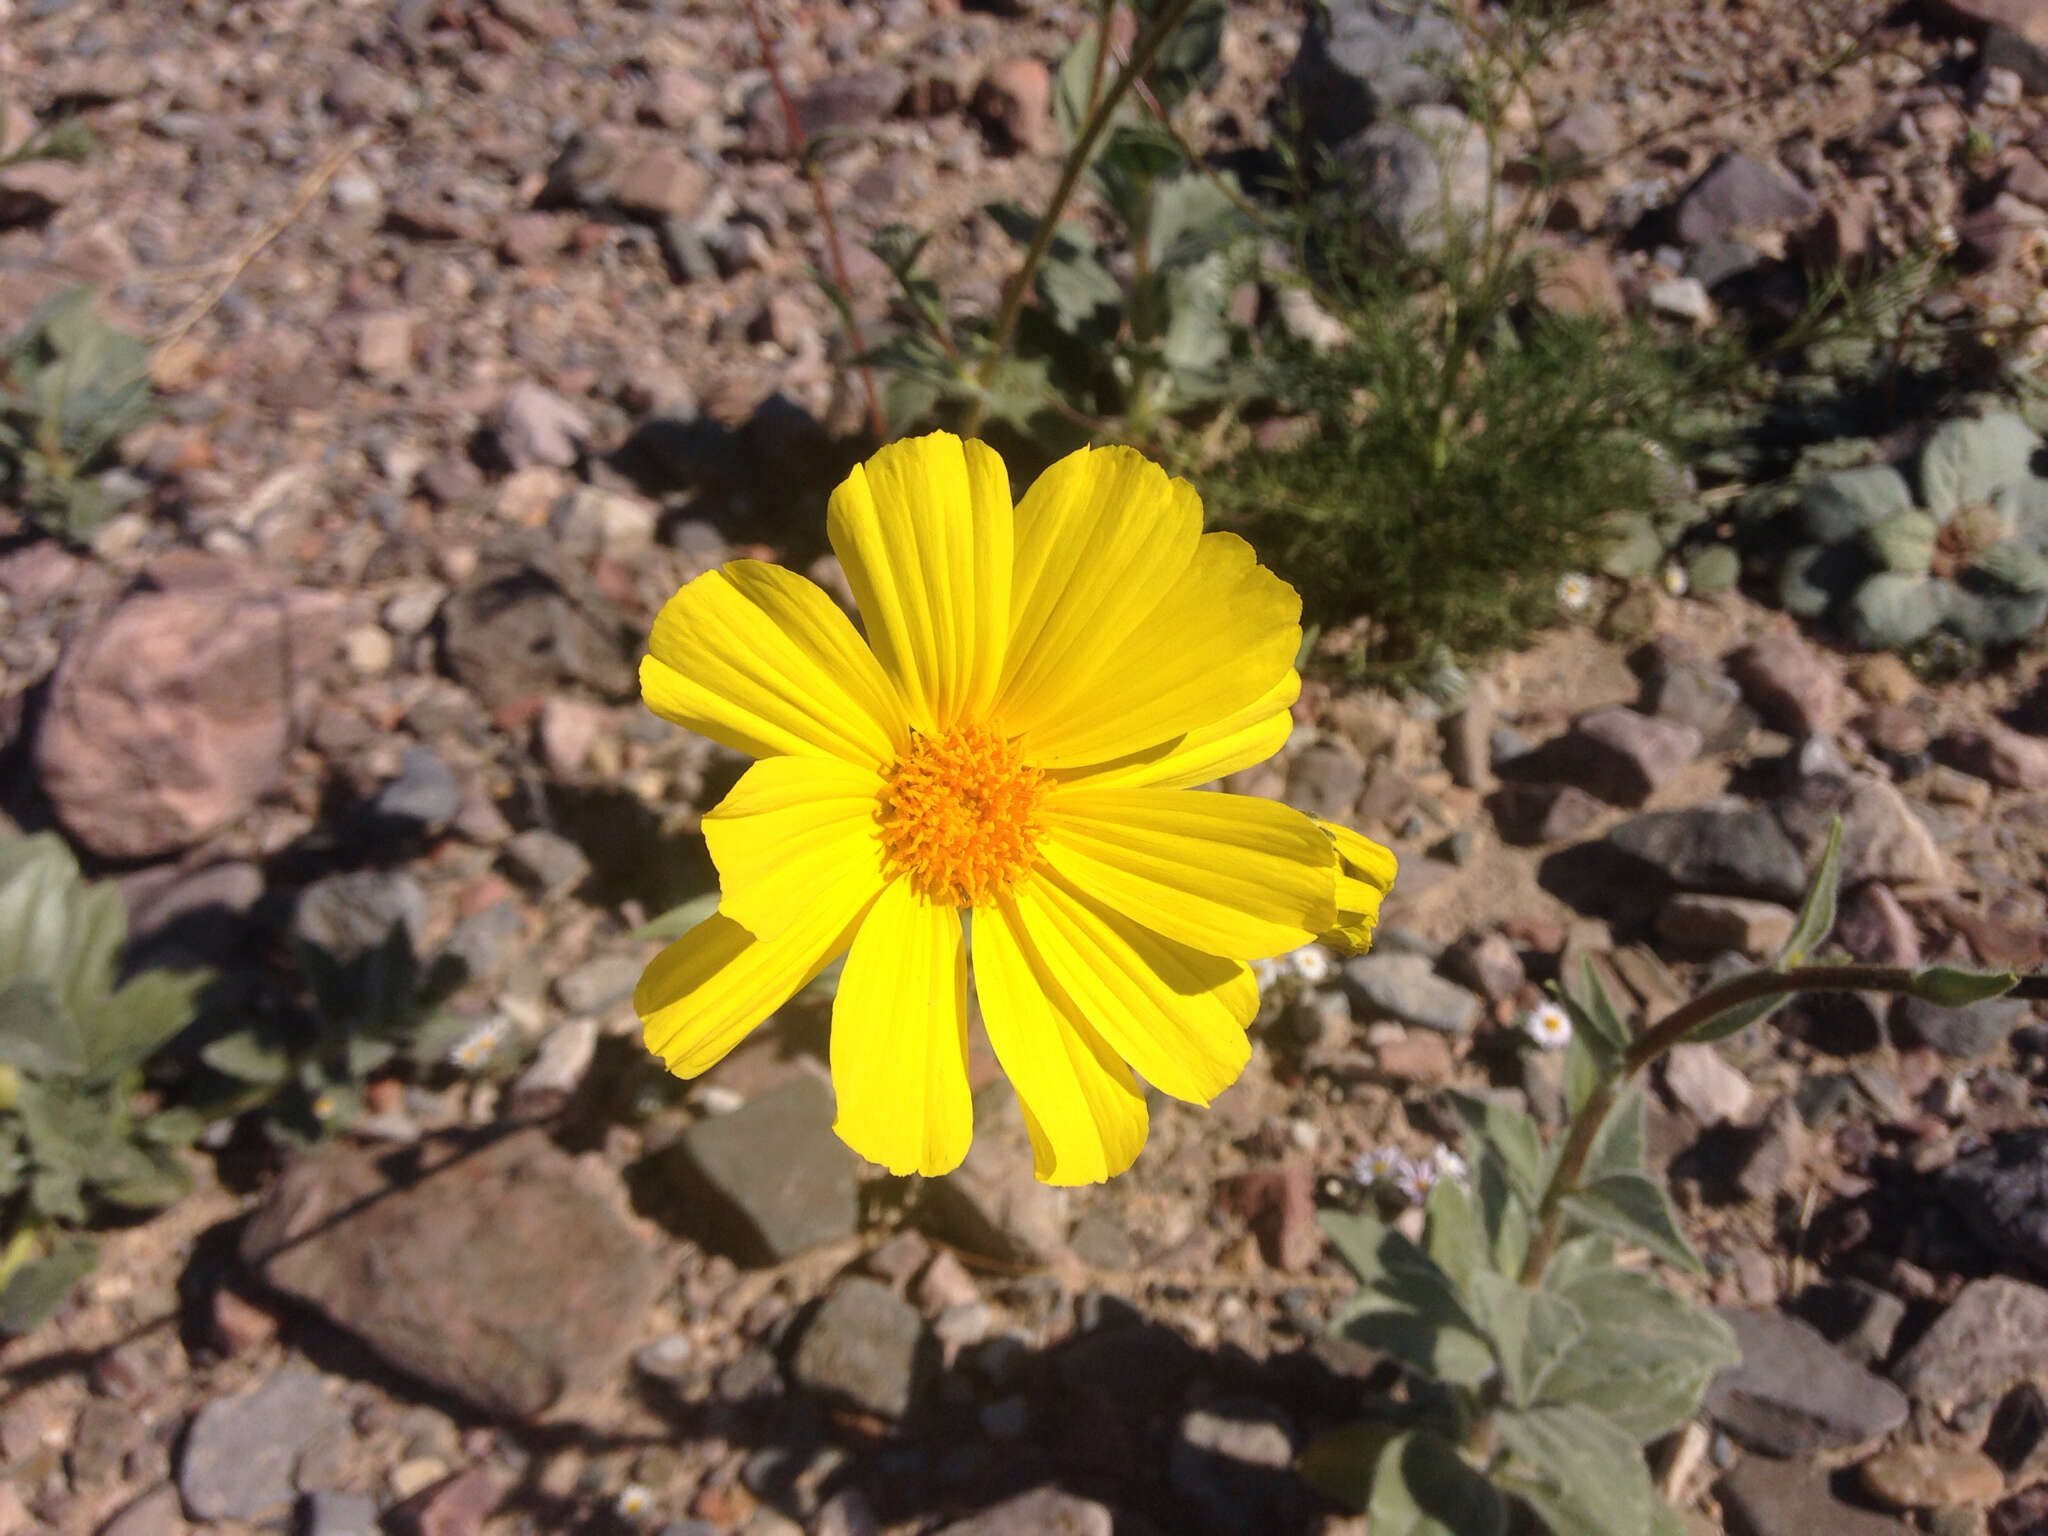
(1016, 738)
(326, 1107)
(1416, 1178)
(1943, 234)
(479, 1045)
(1312, 963)
(1675, 579)
(1267, 971)
(1450, 1166)
(1574, 591)
(1549, 1026)
(1382, 1165)
(635, 1502)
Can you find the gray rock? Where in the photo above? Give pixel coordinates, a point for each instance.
(1773, 1152)
(1682, 298)
(1960, 1034)
(1738, 193)
(768, 1181)
(545, 860)
(865, 1346)
(1875, 929)
(991, 1204)
(424, 794)
(1586, 133)
(1232, 1462)
(483, 942)
(155, 1513)
(1041, 1512)
(1696, 695)
(1363, 59)
(1964, 461)
(530, 622)
(2001, 1193)
(1795, 1394)
(241, 1452)
(1994, 1334)
(1622, 756)
(1406, 987)
(537, 426)
(1543, 813)
(1890, 611)
(1325, 780)
(1423, 178)
(1882, 838)
(1863, 1321)
(1841, 503)
(1762, 1497)
(1701, 1082)
(507, 1274)
(598, 984)
(1487, 963)
(330, 1513)
(1704, 926)
(347, 915)
(1467, 738)
(1734, 850)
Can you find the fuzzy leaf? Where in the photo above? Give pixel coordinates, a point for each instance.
(1340, 1463)
(1451, 1234)
(1598, 1018)
(1530, 1330)
(1421, 1486)
(1646, 1355)
(247, 1057)
(1189, 54)
(135, 1023)
(1636, 1210)
(1405, 1306)
(1817, 912)
(36, 1033)
(1504, 1214)
(1953, 987)
(1509, 1131)
(36, 909)
(1734, 1020)
(36, 1290)
(1579, 1471)
(1618, 1144)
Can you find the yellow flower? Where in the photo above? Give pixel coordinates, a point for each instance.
(1365, 872)
(1015, 743)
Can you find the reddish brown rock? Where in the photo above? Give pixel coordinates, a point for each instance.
(172, 716)
(501, 1275)
(2001, 755)
(1788, 684)
(1014, 102)
(1279, 1206)
(1622, 755)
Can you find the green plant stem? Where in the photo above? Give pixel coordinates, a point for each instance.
(1078, 157)
(1672, 1030)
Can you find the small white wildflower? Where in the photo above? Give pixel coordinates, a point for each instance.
(1675, 581)
(479, 1045)
(1549, 1026)
(325, 1107)
(635, 1502)
(1382, 1165)
(1417, 1177)
(1574, 591)
(1450, 1166)
(1312, 963)
(1266, 972)
(1943, 234)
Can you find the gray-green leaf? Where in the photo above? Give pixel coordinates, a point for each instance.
(1530, 1330)
(1421, 1486)
(1405, 1306)
(1953, 987)
(1635, 1209)
(1578, 1470)
(1646, 1355)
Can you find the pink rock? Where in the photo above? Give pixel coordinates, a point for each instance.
(2000, 754)
(456, 1506)
(1875, 928)
(1014, 101)
(171, 716)
(1279, 1205)
(1788, 684)
(1622, 755)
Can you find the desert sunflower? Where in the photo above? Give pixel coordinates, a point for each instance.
(1015, 744)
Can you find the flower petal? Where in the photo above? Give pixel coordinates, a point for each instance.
(1365, 873)
(899, 1037)
(924, 531)
(701, 995)
(1178, 1016)
(761, 659)
(1101, 537)
(1085, 1112)
(1218, 641)
(1208, 752)
(790, 825)
(1233, 875)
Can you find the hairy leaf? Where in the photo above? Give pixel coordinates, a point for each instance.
(1421, 1486)
(1953, 987)
(36, 1289)
(1579, 1471)
(1405, 1306)
(1636, 1210)
(1817, 912)
(1646, 1355)
(1509, 1131)
(1530, 1330)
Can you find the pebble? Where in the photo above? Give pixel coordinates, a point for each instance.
(991, 1205)
(1041, 1512)
(155, 1513)
(1925, 1476)
(1994, 1334)
(1701, 1081)
(241, 1451)
(537, 426)
(423, 795)
(1874, 928)
(545, 860)
(1406, 987)
(2001, 755)
(1529, 813)
(1704, 926)
(1788, 684)
(768, 1181)
(1792, 1498)
(1682, 298)
(350, 914)
(332, 1513)
(1969, 1033)
(598, 984)
(1734, 850)
(1795, 1394)
(864, 1346)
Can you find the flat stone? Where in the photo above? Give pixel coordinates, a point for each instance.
(1875, 928)
(1703, 1084)
(1622, 756)
(350, 914)
(2001, 755)
(1927, 1477)
(333, 1513)
(1762, 1497)
(1788, 683)
(1543, 813)
(1406, 987)
(1696, 695)
(1232, 1461)
(1968, 1033)
(1795, 1394)
(1884, 839)
(241, 1452)
(155, 1513)
(1041, 1512)
(545, 860)
(1487, 963)
(505, 1275)
(1733, 850)
(992, 1204)
(1704, 926)
(1325, 780)
(1738, 193)
(1993, 1335)
(768, 1181)
(1774, 1152)
(865, 1346)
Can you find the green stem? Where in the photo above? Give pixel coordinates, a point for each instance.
(1143, 52)
(1672, 1030)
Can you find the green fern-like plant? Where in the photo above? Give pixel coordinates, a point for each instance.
(74, 1143)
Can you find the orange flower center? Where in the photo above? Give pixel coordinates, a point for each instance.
(959, 816)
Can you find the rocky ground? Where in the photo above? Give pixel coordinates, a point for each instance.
(482, 326)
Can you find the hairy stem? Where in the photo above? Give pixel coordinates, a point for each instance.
(1672, 1030)
(1092, 128)
(834, 253)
